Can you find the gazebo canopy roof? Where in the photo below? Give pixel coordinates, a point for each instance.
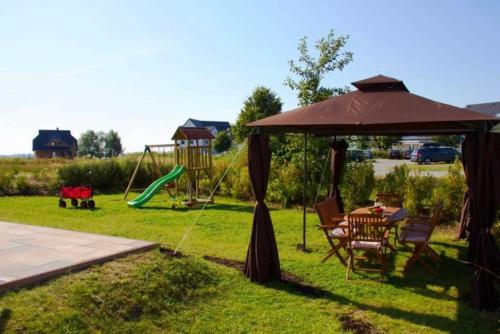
(381, 106)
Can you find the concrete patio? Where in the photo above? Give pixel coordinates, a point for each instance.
(31, 254)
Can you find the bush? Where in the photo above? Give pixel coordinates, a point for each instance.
(110, 174)
(451, 191)
(358, 181)
(419, 191)
(380, 154)
(395, 182)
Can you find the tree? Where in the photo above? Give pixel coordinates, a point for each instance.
(260, 104)
(385, 142)
(99, 144)
(112, 144)
(222, 142)
(452, 141)
(88, 144)
(311, 70)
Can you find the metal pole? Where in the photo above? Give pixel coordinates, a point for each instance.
(304, 200)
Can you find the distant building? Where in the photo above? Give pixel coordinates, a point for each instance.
(491, 108)
(412, 142)
(55, 144)
(213, 126)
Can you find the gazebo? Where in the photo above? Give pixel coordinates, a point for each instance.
(384, 106)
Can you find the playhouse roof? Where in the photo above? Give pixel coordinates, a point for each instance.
(192, 133)
(381, 106)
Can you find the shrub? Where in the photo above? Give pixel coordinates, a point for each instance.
(395, 182)
(358, 181)
(285, 184)
(380, 154)
(418, 196)
(451, 190)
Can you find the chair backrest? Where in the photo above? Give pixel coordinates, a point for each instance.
(327, 210)
(366, 227)
(436, 216)
(388, 199)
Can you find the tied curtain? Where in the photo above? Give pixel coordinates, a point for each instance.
(481, 161)
(337, 163)
(262, 261)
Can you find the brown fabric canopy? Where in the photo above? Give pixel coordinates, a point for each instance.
(339, 149)
(480, 157)
(380, 106)
(262, 262)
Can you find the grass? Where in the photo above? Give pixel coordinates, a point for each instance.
(226, 301)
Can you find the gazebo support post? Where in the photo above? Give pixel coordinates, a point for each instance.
(304, 198)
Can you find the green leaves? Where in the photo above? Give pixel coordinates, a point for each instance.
(310, 71)
(260, 104)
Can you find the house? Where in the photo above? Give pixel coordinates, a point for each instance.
(491, 108)
(412, 142)
(213, 126)
(55, 144)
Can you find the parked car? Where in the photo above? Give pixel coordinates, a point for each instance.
(395, 154)
(434, 154)
(368, 154)
(407, 153)
(355, 155)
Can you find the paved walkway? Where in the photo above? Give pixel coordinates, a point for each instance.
(30, 254)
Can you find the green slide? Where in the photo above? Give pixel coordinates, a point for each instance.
(156, 186)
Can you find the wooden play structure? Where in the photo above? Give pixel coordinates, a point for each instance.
(192, 149)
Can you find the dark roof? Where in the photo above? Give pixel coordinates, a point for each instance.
(382, 106)
(491, 108)
(192, 133)
(42, 142)
(220, 126)
(380, 83)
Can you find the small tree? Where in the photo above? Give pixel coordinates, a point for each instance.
(260, 104)
(311, 71)
(112, 144)
(308, 73)
(222, 142)
(88, 144)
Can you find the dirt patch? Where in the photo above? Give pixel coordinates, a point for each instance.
(358, 326)
(170, 253)
(291, 280)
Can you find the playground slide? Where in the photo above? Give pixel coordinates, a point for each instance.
(156, 186)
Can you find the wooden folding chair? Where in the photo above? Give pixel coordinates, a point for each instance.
(417, 232)
(334, 226)
(390, 199)
(367, 233)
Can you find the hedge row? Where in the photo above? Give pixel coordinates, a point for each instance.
(285, 187)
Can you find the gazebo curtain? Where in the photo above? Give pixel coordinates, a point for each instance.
(262, 261)
(337, 163)
(481, 160)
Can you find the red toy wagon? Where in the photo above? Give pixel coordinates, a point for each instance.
(82, 193)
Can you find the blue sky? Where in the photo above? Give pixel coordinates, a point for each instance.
(143, 67)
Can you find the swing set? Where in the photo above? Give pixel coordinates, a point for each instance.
(191, 154)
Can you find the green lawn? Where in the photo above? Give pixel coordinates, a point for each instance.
(413, 303)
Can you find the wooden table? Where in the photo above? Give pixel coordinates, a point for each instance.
(393, 215)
